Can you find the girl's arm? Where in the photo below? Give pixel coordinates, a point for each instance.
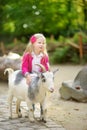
(25, 64)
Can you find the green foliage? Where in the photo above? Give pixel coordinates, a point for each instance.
(75, 58)
(65, 52)
(60, 55)
(76, 37)
(61, 39)
(23, 18)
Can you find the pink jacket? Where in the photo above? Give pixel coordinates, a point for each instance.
(27, 63)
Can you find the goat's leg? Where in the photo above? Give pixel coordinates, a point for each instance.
(31, 111)
(10, 98)
(43, 113)
(18, 110)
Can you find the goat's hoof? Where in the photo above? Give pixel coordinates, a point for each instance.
(32, 120)
(43, 120)
(26, 116)
(10, 117)
(20, 115)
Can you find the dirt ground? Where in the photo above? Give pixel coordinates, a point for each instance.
(70, 114)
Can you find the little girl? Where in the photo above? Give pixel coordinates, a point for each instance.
(35, 53)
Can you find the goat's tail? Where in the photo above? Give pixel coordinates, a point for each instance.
(9, 70)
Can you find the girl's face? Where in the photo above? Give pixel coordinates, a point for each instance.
(38, 46)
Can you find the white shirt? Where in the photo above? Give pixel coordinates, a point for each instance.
(36, 60)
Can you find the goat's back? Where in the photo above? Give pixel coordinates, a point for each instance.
(17, 85)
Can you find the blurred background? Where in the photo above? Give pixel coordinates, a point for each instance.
(63, 22)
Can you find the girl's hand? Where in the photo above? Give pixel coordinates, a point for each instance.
(28, 79)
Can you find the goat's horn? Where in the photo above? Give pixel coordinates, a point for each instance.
(42, 67)
(55, 71)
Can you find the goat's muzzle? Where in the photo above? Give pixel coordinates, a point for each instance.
(51, 90)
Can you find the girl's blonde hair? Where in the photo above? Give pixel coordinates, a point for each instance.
(29, 47)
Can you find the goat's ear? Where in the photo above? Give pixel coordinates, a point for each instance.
(39, 75)
(55, 71)
(43, 77)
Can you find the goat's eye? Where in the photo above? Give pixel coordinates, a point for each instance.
(43, 80)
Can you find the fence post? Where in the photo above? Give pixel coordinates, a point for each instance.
(3, 48)
(80, 46)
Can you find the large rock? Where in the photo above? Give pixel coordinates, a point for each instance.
(76, 89)
(12, 60)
